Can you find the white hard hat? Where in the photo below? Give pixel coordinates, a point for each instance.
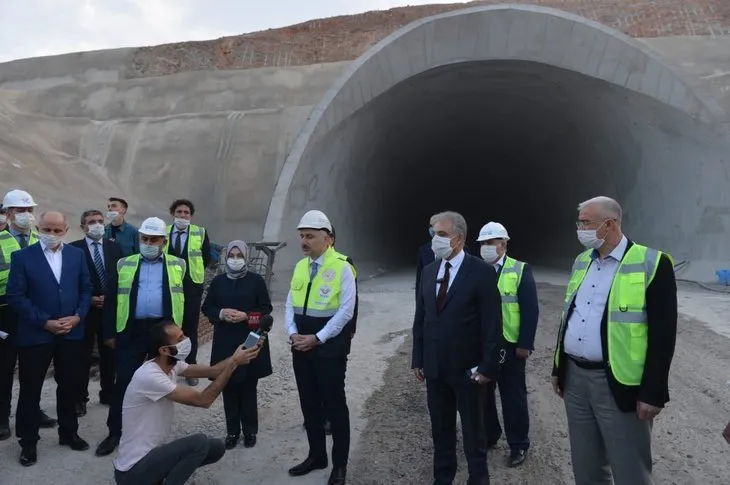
(153, 226)
(315, 219)
(492, 230)
(18, 198)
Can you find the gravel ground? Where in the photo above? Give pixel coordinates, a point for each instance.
(391, 432)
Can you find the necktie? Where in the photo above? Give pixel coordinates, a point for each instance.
(23, 241)
(99, 263)
(178, 244)
(313, 271)
(443, 287)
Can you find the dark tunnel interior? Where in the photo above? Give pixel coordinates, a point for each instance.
(517, 142)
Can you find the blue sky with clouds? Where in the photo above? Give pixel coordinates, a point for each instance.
(30, 28)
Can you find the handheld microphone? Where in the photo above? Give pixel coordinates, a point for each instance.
(265, 324)
(263, 327)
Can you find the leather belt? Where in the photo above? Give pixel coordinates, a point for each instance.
(586, 364)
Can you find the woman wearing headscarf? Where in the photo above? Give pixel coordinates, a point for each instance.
(234, 303)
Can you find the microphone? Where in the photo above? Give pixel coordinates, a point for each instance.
(265, 324)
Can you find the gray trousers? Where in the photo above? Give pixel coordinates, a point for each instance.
(603, 440)
(173, 462)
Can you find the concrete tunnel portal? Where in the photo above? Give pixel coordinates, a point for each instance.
(513, 114)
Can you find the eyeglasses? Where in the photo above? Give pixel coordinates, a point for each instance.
(582, 224)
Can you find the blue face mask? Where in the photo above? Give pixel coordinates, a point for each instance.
(430, 232)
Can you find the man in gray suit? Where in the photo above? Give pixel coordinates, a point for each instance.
(457, 338)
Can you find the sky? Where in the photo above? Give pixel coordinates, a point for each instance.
(30, 28)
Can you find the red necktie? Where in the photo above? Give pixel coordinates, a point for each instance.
(443, 287)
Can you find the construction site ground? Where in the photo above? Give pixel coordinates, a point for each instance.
(391, 442)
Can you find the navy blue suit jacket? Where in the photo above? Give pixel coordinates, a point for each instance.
(37, 297)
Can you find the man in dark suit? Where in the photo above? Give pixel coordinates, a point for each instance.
(101, 257)
(621, 302)
(50, 291)
(146, 289)
(425, 257)
(457, 336)
(189, 242)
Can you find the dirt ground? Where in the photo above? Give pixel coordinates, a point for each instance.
(391, 442)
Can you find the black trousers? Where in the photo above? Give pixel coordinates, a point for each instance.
(241, 407)
(321, 386)
(33, 366)
(106, 358)
(513, 393)
(8, 359)
(191, 317)
(444, 399)
(129, 356)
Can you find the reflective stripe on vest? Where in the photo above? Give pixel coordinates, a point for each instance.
(627, 321)
(194, 247)
(8, 245)
(323, 299)
(127, 268)
(509, 281)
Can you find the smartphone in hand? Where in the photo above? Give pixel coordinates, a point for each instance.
(251, 341)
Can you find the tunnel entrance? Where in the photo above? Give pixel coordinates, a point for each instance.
(520, 136)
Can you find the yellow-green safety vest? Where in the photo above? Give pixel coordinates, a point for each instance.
(8, 245)
(509, 281)
(127, 268)
(627, 322)
(196, 235)
(323, 299)
(344, 257)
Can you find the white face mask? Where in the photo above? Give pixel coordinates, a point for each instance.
(181, 224)
(96, 231)
(489, 253)
(112, 215)
(589, 238)
(23, 220)
(3, 219)
(236, 265)
(50, 240)
(183, 349)
(150, 251)
(441, 247)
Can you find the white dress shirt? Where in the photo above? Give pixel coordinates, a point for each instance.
(583, 335)
(183, 237)
(55, 260)
(500, 262)
(344, 314)
(455, 265)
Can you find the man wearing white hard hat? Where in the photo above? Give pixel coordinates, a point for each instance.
(146, 289)
(320, 303)
(19, 233)
(519, 323)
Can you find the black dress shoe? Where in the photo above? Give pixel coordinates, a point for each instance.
(516, 458)
(80, 409)
(337, 477)
(249, 440)
(4, 432)
(74, 442)
(327, 427)
(308, 465)
(231, 441)
(28, 456)
(47, 421)
(107, 446)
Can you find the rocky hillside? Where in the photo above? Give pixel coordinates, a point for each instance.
(347, 37)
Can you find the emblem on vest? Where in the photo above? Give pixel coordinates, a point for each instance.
(324, 292)
(329, 275)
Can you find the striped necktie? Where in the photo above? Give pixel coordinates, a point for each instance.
(313, 270)
(99, 263)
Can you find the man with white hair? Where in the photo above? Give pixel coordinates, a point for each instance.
(520, 311)
(615, 347)
(146, 289)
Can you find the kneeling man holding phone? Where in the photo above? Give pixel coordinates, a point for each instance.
(147, 411)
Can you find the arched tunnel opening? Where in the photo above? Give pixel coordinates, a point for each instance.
(520, 138)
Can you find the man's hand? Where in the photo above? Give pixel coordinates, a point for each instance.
(647, 412)
(419, 374)
(480, 378)
(56, 327)
(243, 356)
(556, 386)
(70, 322)
(97, 301)
(304, 343)
(522, 353)
(111, 343)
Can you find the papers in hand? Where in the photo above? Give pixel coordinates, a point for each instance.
(3, 335)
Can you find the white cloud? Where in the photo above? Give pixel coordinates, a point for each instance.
(30, 28)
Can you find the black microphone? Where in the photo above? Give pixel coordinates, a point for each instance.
(265, 324)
